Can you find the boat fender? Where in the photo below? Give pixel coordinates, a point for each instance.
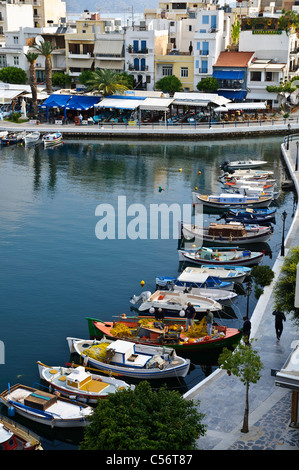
(11, 411)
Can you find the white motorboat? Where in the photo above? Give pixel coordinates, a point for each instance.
(192, 274)
(232, 233)
(228, 201)
(79, 384)
(243, 164)
(45, 408)
(224, 297)
(250, 173)
(130, 359)
(173, 303)
(51, 139)
(31, 138)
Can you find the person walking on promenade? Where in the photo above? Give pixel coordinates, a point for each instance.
(279, 319)
(246, 330)
(209, 318)
(190, 315)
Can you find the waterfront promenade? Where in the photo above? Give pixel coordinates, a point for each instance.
(222, 398)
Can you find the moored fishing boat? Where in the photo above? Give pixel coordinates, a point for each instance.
(235, 233)
(227, 201)
(14, 436)
(169, 332)
(237, 274)
(130, 359)
(207, 256)
(13, 138)
(51, 139)
(203, 280)
(79, 384)
(266, 212)
(45, 408)
(248, 173)
(31, 138)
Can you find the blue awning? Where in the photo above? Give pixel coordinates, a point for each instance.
(228, 74)
(233, 95)
(82, 102)
(59, 101)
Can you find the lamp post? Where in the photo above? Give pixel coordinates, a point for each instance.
(296, 165)
(283, 216)
(288, 139)
(248, 291)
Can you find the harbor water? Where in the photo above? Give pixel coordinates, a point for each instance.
(56, 270)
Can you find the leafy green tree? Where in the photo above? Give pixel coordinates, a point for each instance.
(13, 75)
(262, 276)
(61, 79)
(45, 48)
(31, 57)
(285, 287)
(85, 76)
(144, 419)
(209, 84)
(235, 32)
(245, 363)
(170, 84)
(107, 82)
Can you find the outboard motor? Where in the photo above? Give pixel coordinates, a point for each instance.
(141, 298)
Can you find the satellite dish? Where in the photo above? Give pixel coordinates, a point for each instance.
(39, 39)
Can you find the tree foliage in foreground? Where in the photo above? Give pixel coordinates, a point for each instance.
(285, 287)
(14, 75)
(144, 419)
(170, 84)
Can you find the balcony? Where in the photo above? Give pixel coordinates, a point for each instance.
(143, 68)
(88, 55)
(131, 50)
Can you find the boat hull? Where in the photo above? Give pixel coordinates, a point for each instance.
(99, 329)
(179, 370)
(190, 257)
(261, 236)
(251, 203)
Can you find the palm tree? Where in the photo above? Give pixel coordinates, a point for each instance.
(107, 82)
(31, 57)
(46, 48)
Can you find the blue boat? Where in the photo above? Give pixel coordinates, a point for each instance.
(255, 212)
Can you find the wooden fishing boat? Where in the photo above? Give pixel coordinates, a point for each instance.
(243, 164)
(207, 256)
(235, 233)
(79, 384)
(260, 184)
(170, 332)
(249, 219)
(174, 303)
(13, 436)
(51, 139)
(227, 201)
(45, 408)
(130, 359)
(13, 138)
(31, 138)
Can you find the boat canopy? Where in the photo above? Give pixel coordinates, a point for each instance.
(191, 276)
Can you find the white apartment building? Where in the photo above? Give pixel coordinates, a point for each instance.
(12, 54)
(211, 36)
(272, 64)
(142, 43)
(14, 16)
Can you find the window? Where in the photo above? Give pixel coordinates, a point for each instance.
(16, 39)
(198, 46)
(16, 60)
(256, 76)
(269, 77)
(190, 27)
(205, 48)
(204, 66)
(184, 72)
(166, 70)
(213, 21)
(205, 19)
(2, 61)
(135, 46)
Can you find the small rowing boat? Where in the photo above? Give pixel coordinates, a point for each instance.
(51, 139)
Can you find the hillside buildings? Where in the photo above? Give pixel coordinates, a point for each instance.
(192, 41)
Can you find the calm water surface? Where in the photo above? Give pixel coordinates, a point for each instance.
(55, 272)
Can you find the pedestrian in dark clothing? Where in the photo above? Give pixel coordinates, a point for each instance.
(246, 330)
(279, 319)
(190, 315)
